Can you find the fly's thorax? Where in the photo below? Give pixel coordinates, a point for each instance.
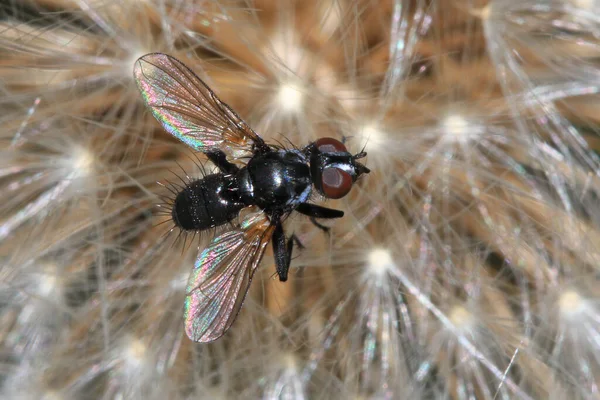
(245, 187)
(279, 179)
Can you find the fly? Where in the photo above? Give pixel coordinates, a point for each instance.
(277, 181)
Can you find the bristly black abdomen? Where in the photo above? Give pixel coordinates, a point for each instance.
(206, 203)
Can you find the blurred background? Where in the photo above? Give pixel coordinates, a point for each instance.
(466, 266)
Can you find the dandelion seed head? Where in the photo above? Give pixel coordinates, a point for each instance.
(130, 61)
(571, 334)
(286, 382)
(48, 283)
(290, 97)
(572, 305)
(179, 281)
(379, 263)
(80, 162)
(457, 128)
(373, 136)
(134, 355)
(289, 361)
(461, 318)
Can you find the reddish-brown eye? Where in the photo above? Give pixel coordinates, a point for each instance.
(330, 145)
(335, 182)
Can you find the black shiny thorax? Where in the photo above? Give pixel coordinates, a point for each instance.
(276, 180)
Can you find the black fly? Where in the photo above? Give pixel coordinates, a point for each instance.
(277, 181)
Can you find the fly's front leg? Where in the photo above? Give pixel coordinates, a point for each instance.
(219, 158)
(314, 211)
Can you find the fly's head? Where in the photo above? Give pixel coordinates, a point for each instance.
(333, 169)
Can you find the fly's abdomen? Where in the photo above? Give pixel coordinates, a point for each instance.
(206, 203)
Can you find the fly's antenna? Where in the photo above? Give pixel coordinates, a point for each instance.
(366, 142)
(362, 154)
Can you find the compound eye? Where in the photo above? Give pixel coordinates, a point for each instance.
(335, 182)
(330, 145)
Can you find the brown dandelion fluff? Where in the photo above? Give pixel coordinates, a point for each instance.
(464, 267)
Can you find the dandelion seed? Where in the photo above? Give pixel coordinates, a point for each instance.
(290, 97)
(458, 129)
(49, 285)
(571, 305)
(373, 137)
(461, 318)
(134, 354)
(81, 162)
(288, 383)
(179, 281)
(380, 262)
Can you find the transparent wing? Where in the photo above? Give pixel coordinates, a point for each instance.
(188, 109)
(221, 278)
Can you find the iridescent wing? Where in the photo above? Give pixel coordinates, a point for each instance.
(221, 278)
(188, 109)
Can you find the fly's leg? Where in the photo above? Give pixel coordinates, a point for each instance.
(281, 254)
(314, 211)
(295, 239)
(322, 227)
(282, 250)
